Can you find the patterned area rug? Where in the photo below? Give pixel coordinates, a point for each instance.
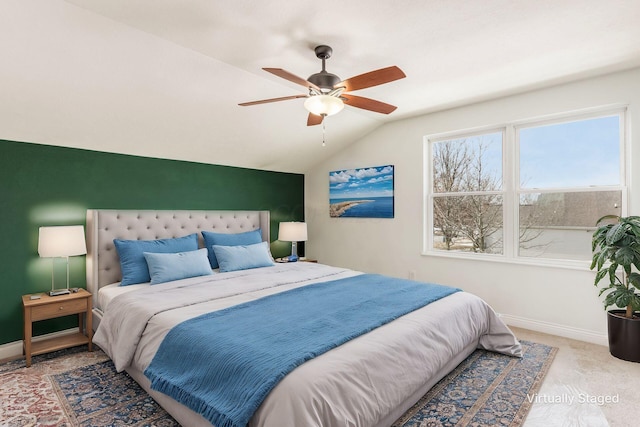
(74, 388)
(486, 389)
(77, 388)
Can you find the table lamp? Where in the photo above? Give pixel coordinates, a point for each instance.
(61, 241)
(293, 232)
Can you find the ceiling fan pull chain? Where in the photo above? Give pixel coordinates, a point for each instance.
(323, 133)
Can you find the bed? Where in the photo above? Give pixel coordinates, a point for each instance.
(370, 380)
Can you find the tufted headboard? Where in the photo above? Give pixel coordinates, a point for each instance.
(103, 265)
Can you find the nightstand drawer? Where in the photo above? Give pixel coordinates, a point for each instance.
(62, 308)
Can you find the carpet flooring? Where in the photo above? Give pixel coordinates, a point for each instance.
(77, 388)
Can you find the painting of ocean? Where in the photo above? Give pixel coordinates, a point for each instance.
(362, 193)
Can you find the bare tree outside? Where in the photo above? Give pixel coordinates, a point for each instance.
(531, 215)
(469, 222)
(451, 163)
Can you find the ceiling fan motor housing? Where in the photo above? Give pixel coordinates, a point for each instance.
(325, 81)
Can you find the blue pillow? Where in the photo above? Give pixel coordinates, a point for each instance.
(131, 252)
(243, 257)
(222, 239)
(181, 265)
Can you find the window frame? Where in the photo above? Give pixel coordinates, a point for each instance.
(511, 186)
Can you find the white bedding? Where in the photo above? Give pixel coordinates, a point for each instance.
(109, 292)
(364, 382)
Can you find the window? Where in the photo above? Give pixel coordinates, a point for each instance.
(529, 190)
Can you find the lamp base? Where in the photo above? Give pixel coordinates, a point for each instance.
(56, 292)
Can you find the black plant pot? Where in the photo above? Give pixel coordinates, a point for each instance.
(624, 336)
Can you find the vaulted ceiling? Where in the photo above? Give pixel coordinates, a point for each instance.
(163, 78)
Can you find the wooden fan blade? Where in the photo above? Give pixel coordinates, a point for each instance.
(291, 77)
(372, 78)
(313, 120)
(264, 101)
(368, 104)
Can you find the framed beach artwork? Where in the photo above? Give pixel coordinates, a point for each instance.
(361, 193)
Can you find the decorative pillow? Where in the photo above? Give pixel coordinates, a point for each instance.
(131, 252)
(235, 239)
(243, 257)
(181, 265)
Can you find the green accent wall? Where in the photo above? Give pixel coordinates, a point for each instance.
(43, 185)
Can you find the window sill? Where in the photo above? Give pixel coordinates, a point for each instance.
(582, 265)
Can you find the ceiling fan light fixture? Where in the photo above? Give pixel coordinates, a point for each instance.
(323, 105)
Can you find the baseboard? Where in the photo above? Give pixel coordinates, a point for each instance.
(13, 350)
(555, 329)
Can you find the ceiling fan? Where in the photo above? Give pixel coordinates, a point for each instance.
(328, 93)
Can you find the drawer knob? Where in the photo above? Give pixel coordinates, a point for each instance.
(61, 308)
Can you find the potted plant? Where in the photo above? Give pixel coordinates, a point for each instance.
(616, 251)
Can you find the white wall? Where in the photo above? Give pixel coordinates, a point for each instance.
(549, 299)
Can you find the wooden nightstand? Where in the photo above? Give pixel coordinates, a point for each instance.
(47, 307)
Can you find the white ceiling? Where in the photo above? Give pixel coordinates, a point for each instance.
(163, 78)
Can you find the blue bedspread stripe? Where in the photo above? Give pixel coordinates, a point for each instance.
(223, 364)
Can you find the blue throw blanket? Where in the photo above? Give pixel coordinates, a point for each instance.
(223, 364)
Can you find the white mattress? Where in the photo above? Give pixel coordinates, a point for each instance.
(365, 382)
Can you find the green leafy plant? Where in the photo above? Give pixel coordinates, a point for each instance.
(616, 245)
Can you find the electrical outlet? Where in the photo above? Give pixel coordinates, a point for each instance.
(412, 275)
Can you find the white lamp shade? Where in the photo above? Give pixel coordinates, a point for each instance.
(323, 105)
(61, 241)
(292, 232)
